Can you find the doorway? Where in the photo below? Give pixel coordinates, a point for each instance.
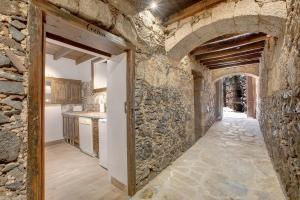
(240, 96)
(198, 79)
(70, 35)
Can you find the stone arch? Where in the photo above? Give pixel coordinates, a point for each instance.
(237, 73)
(225, 18)
(249, 70)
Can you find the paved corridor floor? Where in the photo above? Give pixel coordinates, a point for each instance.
(229, 163)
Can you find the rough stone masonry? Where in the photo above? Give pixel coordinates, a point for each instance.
(164, 89)
(13, 112)
(280, 105)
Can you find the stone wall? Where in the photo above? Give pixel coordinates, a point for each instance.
(165, 111)
(13, 90)
(164, 90)
(249, 70)
(279, 119)
(280, 102)
(207, 98)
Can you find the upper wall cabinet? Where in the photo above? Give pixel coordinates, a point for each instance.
(62, 91)
(99, 75)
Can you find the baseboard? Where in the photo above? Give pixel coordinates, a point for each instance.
(54, 142)
(118, 184)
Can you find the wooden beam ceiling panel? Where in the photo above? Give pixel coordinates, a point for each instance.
(61, 53)
(233, 64)
(253, 47)
(231, 50)
(191, 10)
(232, 58)
(84, 58)
(227, 39)
(236, 44)
(249, 53)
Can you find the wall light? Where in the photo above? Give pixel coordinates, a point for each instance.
(153, 5)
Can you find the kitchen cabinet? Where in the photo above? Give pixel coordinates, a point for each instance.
(81, 129)
(86, 135)
(71, 129)
(62, 91)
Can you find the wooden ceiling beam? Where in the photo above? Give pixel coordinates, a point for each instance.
(233, 58)
(258, 50)
(61, 53)
(233, 62)
(230, 39)
(56, 40)
(212, 67)
(244, 49)
(191, 10)
(238, 55)
(236, 44)
(84, 58)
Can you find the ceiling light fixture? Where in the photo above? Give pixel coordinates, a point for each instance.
(153, 5)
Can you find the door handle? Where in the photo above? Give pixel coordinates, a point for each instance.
(125, 106)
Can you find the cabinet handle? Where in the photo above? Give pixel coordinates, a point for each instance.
(125, 106)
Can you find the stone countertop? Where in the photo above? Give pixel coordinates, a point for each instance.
(93, 115)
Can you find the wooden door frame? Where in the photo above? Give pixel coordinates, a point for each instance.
(38, 9)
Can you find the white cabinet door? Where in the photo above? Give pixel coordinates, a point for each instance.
(86, 135)
(116, 117)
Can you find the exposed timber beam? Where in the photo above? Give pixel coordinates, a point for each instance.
(228, 40)
(252, 47)
(250, 52)
(76, 47)
(231, 45)
(238, 55)
(233, 62)
(61, 53)
(232, 65)
(232, 58)
(193, 9)
(84, 58)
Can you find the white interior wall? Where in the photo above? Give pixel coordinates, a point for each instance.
(84, 70)
(61, 68)
(100, 75)
(117, 134)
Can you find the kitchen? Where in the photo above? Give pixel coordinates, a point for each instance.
(85, 123)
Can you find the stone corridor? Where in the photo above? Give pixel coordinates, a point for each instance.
(229, 163)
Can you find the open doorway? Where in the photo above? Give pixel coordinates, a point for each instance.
(84, 131)
(84, 97)
(239, 96)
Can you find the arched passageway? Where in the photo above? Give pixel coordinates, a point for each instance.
(234, 140)
(278, 69)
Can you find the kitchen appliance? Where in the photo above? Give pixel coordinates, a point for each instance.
(86, 135)
(103, 144)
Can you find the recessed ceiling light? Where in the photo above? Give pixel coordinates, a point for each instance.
(153, 5)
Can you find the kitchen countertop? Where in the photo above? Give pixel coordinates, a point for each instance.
(93, 115)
